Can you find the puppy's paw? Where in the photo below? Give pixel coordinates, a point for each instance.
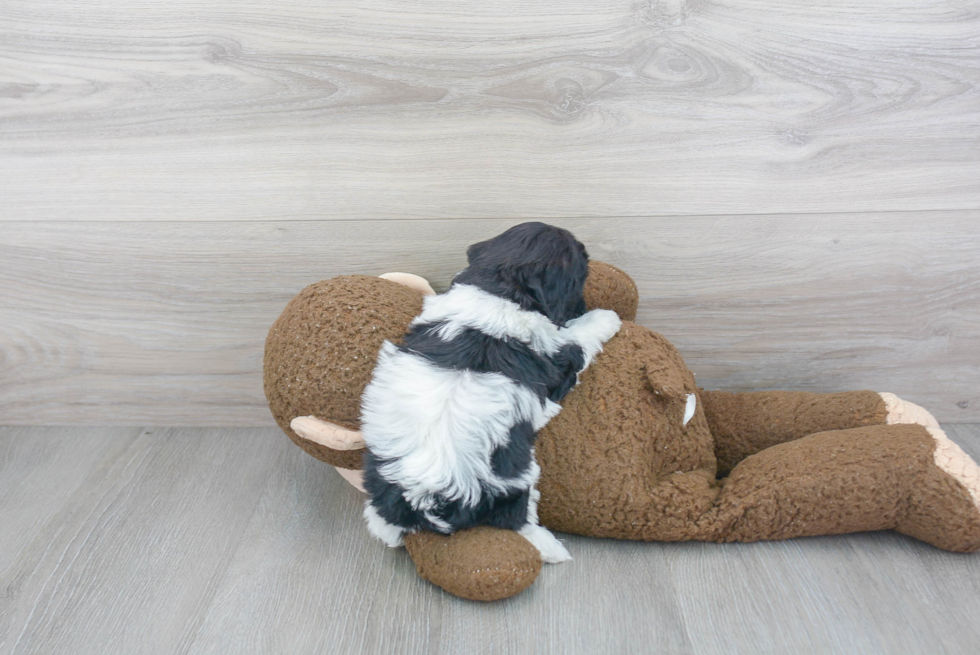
(606, 324)
(552, 551)
(601, 324)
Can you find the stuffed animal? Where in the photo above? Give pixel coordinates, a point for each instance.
(639, 451)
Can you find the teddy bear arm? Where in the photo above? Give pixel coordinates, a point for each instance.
(746, 423)
(480, 563)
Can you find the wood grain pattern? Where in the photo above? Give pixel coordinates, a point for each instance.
(372, 109)
(114, 323)
(40, 471)
(193, 541)
(129, 561)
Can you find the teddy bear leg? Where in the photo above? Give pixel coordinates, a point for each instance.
(871, 478)
(948, 458)
(481, 563)
(745, 423)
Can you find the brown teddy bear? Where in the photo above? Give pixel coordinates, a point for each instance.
(626, 458)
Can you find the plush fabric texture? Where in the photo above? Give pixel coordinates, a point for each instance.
(479, 564)
(321, 351)
(745, 423)
(872, 478)
(617, 461)
(607, 287)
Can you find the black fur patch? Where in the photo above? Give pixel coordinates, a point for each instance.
(508, 512)
(388, 499)
(511, 460)
(549, 377)
(540, 267)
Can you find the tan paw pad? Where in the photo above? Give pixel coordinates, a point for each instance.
(948, 456)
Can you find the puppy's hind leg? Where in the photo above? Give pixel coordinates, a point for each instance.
(552, 551)
(391, 535)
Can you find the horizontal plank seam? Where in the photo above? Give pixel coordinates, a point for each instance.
(500, 218)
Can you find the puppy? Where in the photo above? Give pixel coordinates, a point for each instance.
(450, 416)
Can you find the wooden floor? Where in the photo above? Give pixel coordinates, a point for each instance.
(184, 540)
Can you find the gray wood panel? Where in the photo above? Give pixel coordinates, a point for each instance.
(116, 323)
(229, 540)
(40, 471)
(300, 109)
(129, 560)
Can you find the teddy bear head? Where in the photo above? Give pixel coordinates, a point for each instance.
(321, 351)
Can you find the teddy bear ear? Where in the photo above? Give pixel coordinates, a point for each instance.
(327, 434)
(607, 287)
(666, 381)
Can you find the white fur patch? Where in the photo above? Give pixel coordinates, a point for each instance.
(591, 330)
(532, 503)
(438, 427)
(552, 551)
(392, 535)
(466, 306)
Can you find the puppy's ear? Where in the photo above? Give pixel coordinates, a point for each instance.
(476, 251)
(553, 288)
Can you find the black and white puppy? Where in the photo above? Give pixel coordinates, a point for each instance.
(450, 416)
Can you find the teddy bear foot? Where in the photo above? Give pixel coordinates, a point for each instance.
(941, 510)
(945, 503)
(481, 563)
(948, 456)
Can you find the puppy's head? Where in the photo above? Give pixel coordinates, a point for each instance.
(540, 267)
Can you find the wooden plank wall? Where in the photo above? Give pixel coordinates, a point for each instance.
(796, 189)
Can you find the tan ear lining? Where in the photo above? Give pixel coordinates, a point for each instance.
(355, 478)
(327, 434)
(411, 281)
